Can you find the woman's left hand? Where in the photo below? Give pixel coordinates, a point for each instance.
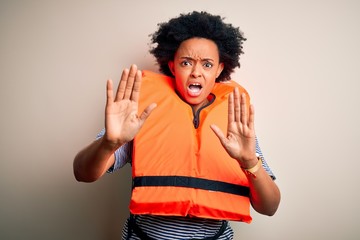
(239, 141)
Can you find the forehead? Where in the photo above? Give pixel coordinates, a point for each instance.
(198, 48)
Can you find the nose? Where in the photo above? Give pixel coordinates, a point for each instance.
(196, 71)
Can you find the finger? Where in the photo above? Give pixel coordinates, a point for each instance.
(251, 117)
(218, 133)
(109, 92)
(130, 82)
(231, 117)
(243, 110)
(146, 113)
(137, 85)
(122, 85)
(237, 107)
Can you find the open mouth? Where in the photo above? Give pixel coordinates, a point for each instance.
(194, 89)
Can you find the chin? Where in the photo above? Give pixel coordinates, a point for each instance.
(192, 102)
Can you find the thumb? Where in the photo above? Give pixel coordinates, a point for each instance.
(146, 113)
(218, 133)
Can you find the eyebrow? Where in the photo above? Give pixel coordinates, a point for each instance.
(203, 59)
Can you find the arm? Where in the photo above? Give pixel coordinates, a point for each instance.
(93, 161)
(264, 193)
(240, 145)
(122, 123)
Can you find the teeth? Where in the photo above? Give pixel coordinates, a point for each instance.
(195, 87)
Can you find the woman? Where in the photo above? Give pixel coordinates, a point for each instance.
(189, 176)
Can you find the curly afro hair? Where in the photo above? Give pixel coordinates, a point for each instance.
(167, 39)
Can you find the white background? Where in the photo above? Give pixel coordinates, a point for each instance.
(301, 68)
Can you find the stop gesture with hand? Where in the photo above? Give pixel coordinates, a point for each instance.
(122, 122)
(239, 141)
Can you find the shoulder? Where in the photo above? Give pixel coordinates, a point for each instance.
(226, 87)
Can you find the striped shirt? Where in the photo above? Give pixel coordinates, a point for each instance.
(174, 228)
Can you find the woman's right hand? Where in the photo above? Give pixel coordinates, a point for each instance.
(122, 122)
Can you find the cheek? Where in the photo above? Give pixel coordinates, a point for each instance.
(180, 79)
(209, 88)
(180, 87)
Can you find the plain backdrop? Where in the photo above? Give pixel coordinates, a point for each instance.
(301, 68)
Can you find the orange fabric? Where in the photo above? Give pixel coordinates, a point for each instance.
(169, 145)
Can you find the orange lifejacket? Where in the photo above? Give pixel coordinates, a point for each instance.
(181, 170)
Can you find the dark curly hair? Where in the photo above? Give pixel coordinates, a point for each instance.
(167, 39)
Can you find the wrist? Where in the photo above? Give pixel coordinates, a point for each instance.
(251, 171)
(249, 163)
(110, 145)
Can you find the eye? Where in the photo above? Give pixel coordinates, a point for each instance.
(185, 63)
(208, 65)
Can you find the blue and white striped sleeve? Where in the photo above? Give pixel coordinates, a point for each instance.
(122, 154)
(264, 163)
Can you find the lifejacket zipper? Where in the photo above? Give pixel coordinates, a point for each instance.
(196, 120)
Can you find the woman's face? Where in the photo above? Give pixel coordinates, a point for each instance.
(195, 67)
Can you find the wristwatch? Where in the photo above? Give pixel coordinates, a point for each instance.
(251, 171)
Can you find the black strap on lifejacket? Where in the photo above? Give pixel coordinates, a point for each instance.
(134, 228)
(191, 182)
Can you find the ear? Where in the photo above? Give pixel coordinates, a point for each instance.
(171, 67)
(219, 70)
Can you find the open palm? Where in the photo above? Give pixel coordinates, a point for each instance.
(122, 121)
(239, 141)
